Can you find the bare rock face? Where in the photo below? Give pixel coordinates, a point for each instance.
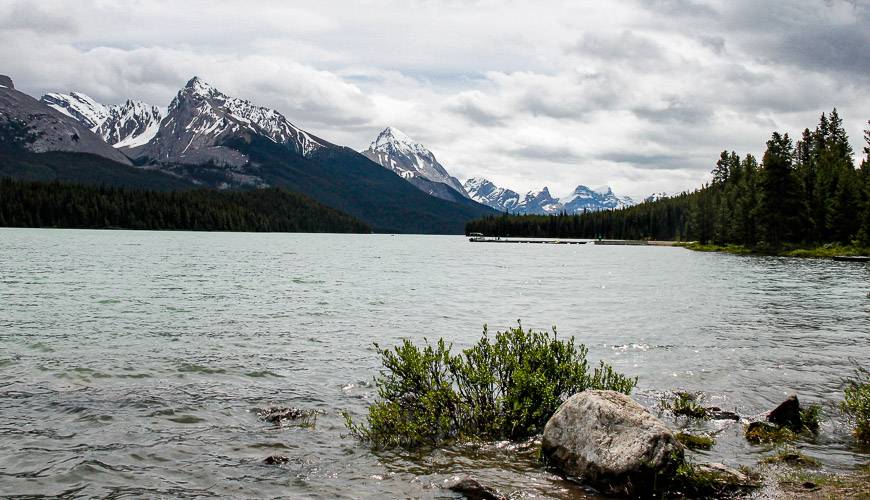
(610, 441)
(6, 82)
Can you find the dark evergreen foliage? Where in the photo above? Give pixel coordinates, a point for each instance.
(807, 193)
(55, 204)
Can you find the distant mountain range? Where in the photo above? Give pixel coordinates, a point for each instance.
(541, 201)
(206, 138)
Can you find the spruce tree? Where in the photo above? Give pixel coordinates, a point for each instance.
(781, 210)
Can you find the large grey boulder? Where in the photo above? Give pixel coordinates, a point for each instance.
(611, 442)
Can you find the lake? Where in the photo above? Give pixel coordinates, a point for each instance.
(134, 363)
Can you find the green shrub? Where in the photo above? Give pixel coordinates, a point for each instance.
(790, 456)
(505, 387)
(811, 417)
(694, 442)
(857, 404)
(685, 404)
(763, 432)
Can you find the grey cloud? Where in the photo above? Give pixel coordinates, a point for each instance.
(654, 161)
(471, 108)
(676, 111)
(37, 18)
(555, 154)
(841, 49)
(623, 46)
(680, 7)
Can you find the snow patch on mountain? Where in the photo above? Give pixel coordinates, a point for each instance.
(127, 125)
(396, 151)
(485, 192)
(79, 106)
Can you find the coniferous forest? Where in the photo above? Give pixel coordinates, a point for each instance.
(63, 205)
(803, 192)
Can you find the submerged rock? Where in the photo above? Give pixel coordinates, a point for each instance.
(787, 414)
(713, 480)
(473, 490)
(281, 415)
(716, 413)
(276, 460)
(612, 442)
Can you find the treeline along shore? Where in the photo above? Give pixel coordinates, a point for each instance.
(66, 205)
(807, 193)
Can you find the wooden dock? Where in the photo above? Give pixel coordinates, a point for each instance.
(852, 258)
(540, 242)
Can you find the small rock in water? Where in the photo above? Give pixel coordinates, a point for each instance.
(473, 490)
(787, 414)
(276, 460)
(716, 413)
(277, 415)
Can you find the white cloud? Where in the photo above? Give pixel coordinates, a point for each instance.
(641, 95)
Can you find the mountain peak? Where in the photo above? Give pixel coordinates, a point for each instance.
(198, 86)
(391, 136)
(5, 81)
(396, 151)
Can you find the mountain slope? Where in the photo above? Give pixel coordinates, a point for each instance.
(395, 151)
(201, 119)
(127, 125)
(344, 179)
(34, 126)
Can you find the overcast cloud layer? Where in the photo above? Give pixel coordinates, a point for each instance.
(640, 95)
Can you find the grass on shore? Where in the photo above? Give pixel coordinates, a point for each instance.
(805, 251)
(804, 484)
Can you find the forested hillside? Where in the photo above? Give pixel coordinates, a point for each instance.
(54, 204)
(804, 192)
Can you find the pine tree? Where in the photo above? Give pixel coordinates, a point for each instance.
(864, 183)
(781, 210)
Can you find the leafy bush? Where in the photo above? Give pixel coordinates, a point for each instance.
(811, 417)
(857, 403)
(505, 387)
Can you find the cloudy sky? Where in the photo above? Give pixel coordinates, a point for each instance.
(640, 95)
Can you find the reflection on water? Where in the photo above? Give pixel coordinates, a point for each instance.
(134, 363)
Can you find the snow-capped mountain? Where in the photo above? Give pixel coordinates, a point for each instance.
(395, 151)
(483, 191)
(131, 124)
(37, 127)
(127, 125)
(542, 202)
(655, 197)
(584, 198)
(539, 202)
(87, 111)
(201, 119)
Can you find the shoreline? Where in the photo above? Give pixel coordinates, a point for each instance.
(827, 251)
